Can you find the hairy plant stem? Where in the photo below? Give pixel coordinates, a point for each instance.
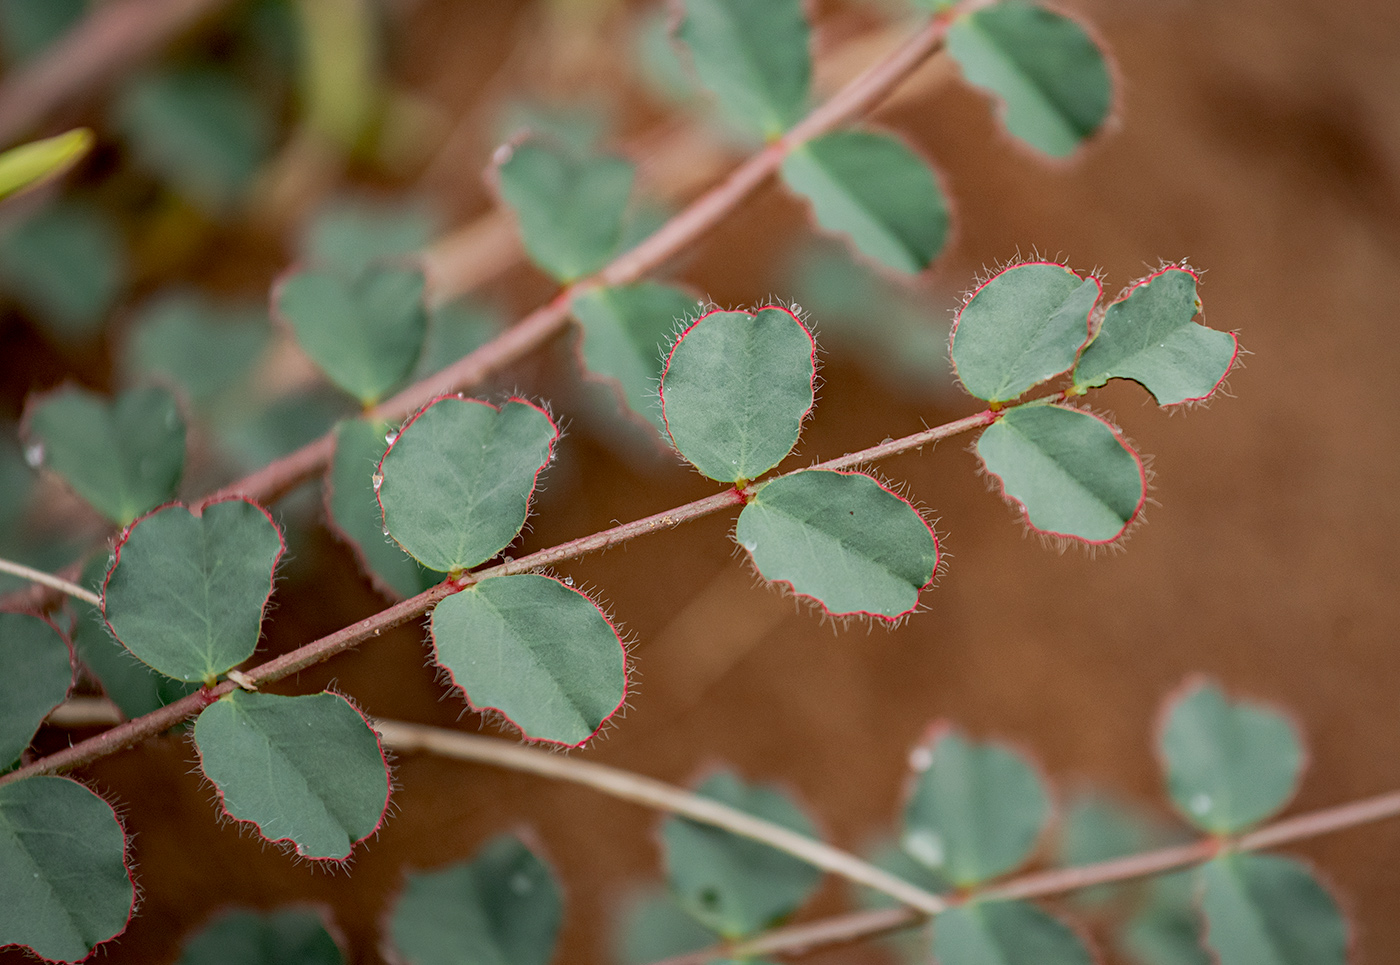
(47, 579)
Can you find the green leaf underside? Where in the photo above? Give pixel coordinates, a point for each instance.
(736, 389)
(66, 265)
(1005, 933)
(1263, 909)
(124, 457)
(305, 769)
(539, 652)
(63, 875)
(753, 57)
(354, 510)
(1070, 471)
(976, 810)
(842, 539)
(455, 330)
(347, 235)
(184, 339)
(1150, 337)
(458, 479)
(625, 334)
(1024, 326)
(35, 674)
(30, 164)
(186, 594)
(731, 884)
(652, 927)
(504, 907)
(1230, 764)
(365, 333)
(877, 192)
(286, 937)
(570, 208)
(1052, 80)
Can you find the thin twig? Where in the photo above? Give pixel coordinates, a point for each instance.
(53, 582)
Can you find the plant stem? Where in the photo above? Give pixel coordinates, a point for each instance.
(46, 579)
(655, 794)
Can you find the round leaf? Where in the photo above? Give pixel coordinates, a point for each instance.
(124, 457)
(307, 770)
(62, 869)
(731, 884)
(1148, 336)
(536, 651)
(365, 333)
(1071, 472)
(348, 235)
(1263, 909)
(976, 811)
(455, 330)
(185, 339)
(455, 485)
(286, 937)
(503, 907)
(1052, 80)
(1005, 933)
(66, 264)
(873, 189)
(841, 539)
(186, 593)
(36, 671)
(736, 389)
(1023, 326)
(1230, 764)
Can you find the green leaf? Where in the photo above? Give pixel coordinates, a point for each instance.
(504, 907)
(354, 510)
(652, 927)
(1024, 325)
(250, 437)
(976, 811)
(734, 885)
(41, 161)
(123, 457)
(1052, 80)
(841, 539)
(186, 593)
(626, 330)
(873, 189)
(346, 234)
(66, 265)
(1230, 764)
(1098, 828)
(62, 869)
(36, 671)
(753, 57)
(538, 652)
(1263, 909)
(197, 127)
(184, 339)
(457, 480)
(455, 330)
(287, 937)
(1005, 933)
(1164, 936)
(365, 333)
(1071, 472)
(1148, 336)
(27, 27)
(580, 124)
(303, 769)
(570, 207)
(736, 389)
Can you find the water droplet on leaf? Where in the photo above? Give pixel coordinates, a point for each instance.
(34, 455)
(378, 480)
(927, 846)
(391, 436)
(568, 581)
(1200, 803)
(920, 759)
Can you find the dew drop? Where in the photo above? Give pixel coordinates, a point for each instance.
(796, 308)
(391, 437)
(34, 455)
(502, 154)
(568, 581)
(927, 846)
(386, 529)
(1201, 803)
(378, 480)
(920, 759)
(751, 546)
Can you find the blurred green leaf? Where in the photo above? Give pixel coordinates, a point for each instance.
(1005, 933)
(341, 87)
(184, 339)
(66, 265)
(347, 234)
(1263, 909)
(286, 937)
(35, 674)
(455, 330)
(652, 926)
(27, 27)
(40, 161)
(1098, 828)
(579, 126)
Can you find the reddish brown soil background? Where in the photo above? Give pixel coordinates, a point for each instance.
(1259, 140)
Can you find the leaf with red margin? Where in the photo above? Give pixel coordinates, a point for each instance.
(63, 871)
(1265, 909)
(539, 652)
(1071, 472)
(36, 670)
(841, 539)
(1008, 933)
(1148, 336)
(736, 389)
(187, 589)
(307, 769)
(455, 484)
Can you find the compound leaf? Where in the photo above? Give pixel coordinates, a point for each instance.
(184, 339)
(62, 869)
(537, 651)
(503, 907)
(1024, 325)
(873, 189)
(36, 671)
(123, 457)
(457, 480)
(1230, 764)
(736, 389)
(287, 937)
(40, 161)
(1052, 80)
(307, 769)
(1005, 933)
(66, 265)
(186, 593)
(734, 885)
(347, 235)
(842, 539)
(1071, 472)
(1263, 909)
(1148, 336)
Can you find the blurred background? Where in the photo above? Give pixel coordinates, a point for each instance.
(1261, 141)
